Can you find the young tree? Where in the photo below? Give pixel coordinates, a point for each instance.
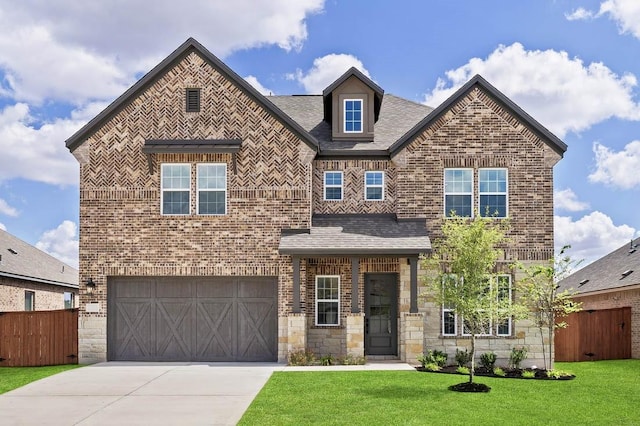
(463, 275)
(539, 291)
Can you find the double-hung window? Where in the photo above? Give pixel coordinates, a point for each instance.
(458, 192)
(504, 297)
(176, 189)
(333, 186)
(374, 186)
(29, 300)
(327, 300)
(69, 300)
(212, 189)
(353, 116)
(493, 192)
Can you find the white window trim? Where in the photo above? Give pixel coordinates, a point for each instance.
(32, 306)
(506, 193)
(327, 300)
(445, 193)
(325, 186)
(455, 321)
(344, 116)
(211, 190)
(510, 319)
(72, 299)
(374, 186)
(162, 189)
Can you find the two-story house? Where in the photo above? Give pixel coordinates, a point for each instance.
(217, 224)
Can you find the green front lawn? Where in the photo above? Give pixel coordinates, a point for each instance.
(604, 392)
(14, 377)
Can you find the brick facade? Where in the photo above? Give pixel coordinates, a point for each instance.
(47, 297)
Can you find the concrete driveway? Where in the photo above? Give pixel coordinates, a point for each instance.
(118, 393)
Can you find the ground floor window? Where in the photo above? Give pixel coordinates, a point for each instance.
(29, 300)
(327, 300)
(69, 300)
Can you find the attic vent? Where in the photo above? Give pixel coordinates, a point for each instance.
(193, 100)
(12, 251)
(583, 282)
(627, 273)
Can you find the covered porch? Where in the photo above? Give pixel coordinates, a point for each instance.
(355, 286)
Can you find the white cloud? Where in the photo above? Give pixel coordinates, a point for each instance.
(6, 209)
(580, 14)
(93, 50)
(562, 93)
(252, 80)
(61, 243)
(591, 236)
(4, 228)
(566, 199)
(618, 169)
(326, 70)
(626, 13)
(37, 154)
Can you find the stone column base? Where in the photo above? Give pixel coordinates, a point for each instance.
(355, 335)
(411, 337)
(296, 333)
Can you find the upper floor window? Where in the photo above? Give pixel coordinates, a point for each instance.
(353, 115)
(493, 192)
(327, 300)
(374, 186)
(175, 188)
(212, 189)
(458, 192)
(29, 300)
(333, 186)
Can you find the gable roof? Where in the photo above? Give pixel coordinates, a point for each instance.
(608, 272)
(191, 45)
(352, 72)
(477, 81)
(21, 260)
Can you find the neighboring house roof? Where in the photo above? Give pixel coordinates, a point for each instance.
(477, 81)
(397, 116)
(23, 261)
(357, 234)
(615, 271)
(191, 45)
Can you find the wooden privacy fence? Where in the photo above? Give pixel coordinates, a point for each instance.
(38, 338)
(595, 335)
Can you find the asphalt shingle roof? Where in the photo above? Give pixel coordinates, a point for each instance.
(397, 116)
(358, 234)
(22, 260)
(606, 273)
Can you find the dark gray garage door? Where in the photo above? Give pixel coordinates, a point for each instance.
(192, 319)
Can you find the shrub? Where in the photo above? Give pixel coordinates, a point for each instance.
(302, 357)
(327, 360)
(499, 372)
(432, 367)
(488, 360)
(517, 356)
(462, 357)
(556, 374)
(463, 370)
(349, 359)
(528, 374)
(433, 357)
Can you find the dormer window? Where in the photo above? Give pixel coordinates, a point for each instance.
(353, 115)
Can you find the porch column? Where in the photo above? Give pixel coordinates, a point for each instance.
(355, 272)
(296, 285)
(413, 289)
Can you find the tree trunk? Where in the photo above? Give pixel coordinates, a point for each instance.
(544, 358)
(473, 356)
(551, 347)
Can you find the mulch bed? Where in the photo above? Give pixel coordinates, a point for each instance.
(510, 373)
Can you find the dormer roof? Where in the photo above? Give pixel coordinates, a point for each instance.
(352, 72)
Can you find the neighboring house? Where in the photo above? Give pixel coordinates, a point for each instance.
(610, 286)
(32, 280)
(218, 224)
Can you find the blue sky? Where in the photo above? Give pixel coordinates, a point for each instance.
(572, 65)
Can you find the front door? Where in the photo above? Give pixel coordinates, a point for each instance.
(381, 314)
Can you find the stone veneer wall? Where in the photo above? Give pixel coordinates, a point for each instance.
(122, 232)
(47, 297)
(618, 299)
